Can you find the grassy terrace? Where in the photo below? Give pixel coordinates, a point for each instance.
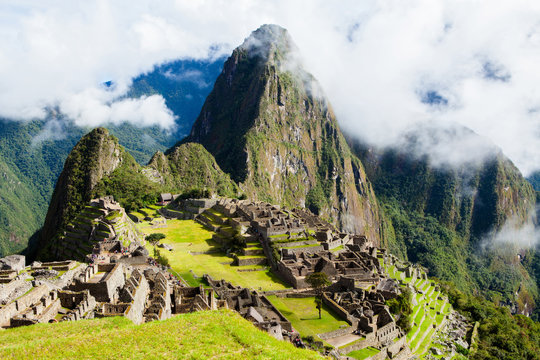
(187, 237)
(424, 315)
(304, 316)
(363, 353)
(201, 335)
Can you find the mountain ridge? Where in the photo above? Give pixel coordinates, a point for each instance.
(279, 140)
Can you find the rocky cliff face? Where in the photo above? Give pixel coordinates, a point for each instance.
(270, 127)
(96, 155)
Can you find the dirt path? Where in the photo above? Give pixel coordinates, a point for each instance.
(343, 340)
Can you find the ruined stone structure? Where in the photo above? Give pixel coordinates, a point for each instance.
(159, 302)
(101, 228)
(102, 280)
(360, 266)
(12, 262)
(81, 305)
(190, 299)
(366, 311)
(252, 306)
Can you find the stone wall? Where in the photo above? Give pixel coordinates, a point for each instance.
(368, 341)
(397, 346)
(7, 290)
(25, 301)
(249, 261)
(41, 312)
(80, 304)
(310, 250)
(339, 310)
(136, 310)
(104, 290)
(285, 273)
(285, 324)
(337, 333)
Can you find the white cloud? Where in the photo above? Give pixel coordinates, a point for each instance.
(514, 235)
(376, 60)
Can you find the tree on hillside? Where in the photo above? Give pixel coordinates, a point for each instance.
(154, 239)
(318, 281)
(401, 306)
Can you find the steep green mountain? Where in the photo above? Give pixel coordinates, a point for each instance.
(444, 217)
(31, 160)
(33, 153)
(269, 126)
(191, 166)
(18, 213)
(98, 165)
(96, 155)
(534, 179)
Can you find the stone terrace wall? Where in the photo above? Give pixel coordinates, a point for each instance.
(336, 333)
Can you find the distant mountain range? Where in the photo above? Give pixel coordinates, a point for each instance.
(32, 154)
(261, 127)
(268, 133)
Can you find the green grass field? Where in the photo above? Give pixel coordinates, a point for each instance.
(363, 353)
(188, 236)
(304, 316)
(202, 335)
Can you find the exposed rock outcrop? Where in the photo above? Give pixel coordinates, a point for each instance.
(270, 127)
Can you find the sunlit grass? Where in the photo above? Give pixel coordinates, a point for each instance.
(304, 316)
(188, 237)
(202, 335)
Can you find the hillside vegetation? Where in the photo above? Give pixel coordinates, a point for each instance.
(441, 217)
(33, 153)
(202, 335)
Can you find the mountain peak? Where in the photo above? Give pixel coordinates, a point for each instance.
(267, 40)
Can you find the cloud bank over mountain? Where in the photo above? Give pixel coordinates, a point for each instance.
(385, 65)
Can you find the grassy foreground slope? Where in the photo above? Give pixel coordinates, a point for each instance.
(201, 335)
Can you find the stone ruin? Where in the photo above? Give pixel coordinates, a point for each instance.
(190, 299)
(69, 291)
(362, 266)
(101, 229)
(368, 315)
(252, 306)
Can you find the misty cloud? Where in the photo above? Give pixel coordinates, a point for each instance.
(386, 66)
(514, 235)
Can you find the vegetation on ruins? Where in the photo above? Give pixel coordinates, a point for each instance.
(501, 334)
(154, 238)
(303, 315)
(318, 281)
(160, 258)
(401, 306)
(196, 254)
(125, 184)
